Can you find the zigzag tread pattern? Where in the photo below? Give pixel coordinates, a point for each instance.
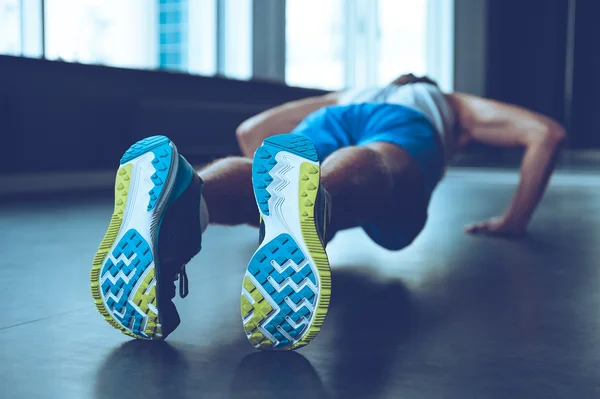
(290, 285)
(122, 182)
(264, 161)
(119, 280)
(254, 313)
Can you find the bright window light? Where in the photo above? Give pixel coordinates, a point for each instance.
(10, 27)
(315, 43)
(238, 39)
(108, 32)
(202, 37)
(402, 39)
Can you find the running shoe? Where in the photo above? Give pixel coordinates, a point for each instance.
(287, 284)
(155, 230)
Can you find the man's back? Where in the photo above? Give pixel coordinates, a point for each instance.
(423, 97)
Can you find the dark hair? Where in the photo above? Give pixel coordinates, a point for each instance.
(409, 78)
(383, 93)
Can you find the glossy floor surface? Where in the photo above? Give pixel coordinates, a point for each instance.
(453, 316)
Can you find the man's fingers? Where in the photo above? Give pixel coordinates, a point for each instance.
(477, 228)
(470, 229)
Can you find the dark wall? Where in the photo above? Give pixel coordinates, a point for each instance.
(585, 110)
(527, 54)
(58, 116)
(522, 44)
(514, 51)
(545, 55)
(470, 46)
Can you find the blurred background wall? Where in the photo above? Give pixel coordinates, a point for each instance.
(81, 79)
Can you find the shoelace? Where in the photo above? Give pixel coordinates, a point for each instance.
(183, 282)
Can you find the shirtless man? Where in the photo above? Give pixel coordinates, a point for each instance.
(368, 158)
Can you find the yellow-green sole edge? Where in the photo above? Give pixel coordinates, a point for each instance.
(122, 182)
(310, 175)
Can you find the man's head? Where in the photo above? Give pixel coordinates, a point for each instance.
(410, 78)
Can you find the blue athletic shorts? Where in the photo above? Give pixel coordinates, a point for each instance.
(332, 128)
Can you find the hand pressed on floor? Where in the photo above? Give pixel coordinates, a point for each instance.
(497, 226)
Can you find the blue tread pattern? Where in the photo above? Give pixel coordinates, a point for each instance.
(163, 154)
(280, 250)
(296, 144)
(264, 161)
(143, 146)
(131, 243)
(162, 166)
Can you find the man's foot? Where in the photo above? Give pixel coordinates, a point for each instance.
(154, 231)
(286, 289)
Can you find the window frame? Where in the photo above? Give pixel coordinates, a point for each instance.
(361, 31)
(267, 52)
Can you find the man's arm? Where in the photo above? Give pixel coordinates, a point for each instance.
(505, 125)
(281, 119)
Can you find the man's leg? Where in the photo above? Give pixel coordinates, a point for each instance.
(228, 191)
(374, 184)
(377, 183)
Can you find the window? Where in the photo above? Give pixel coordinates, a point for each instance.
(440, 42)
(315, 43)
(108, 32)
(10, 27)
(202, 37)
(194, 34)
(173, 34)
(237, 40)
(329, 44)
(180, 35)
(367, 42)
(402, 39)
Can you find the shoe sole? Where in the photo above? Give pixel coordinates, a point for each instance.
(287, 285)
(124, 273)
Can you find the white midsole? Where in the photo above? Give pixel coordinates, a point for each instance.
(284, 218)
(137, 217)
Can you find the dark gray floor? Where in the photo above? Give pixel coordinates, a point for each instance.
(453, 316)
